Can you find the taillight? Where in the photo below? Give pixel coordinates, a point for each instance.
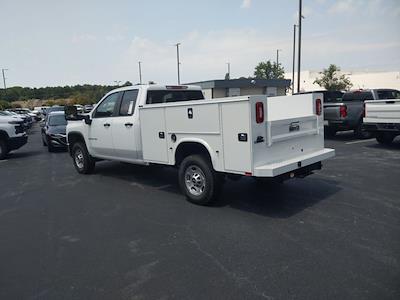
(343, 111)
(318, 107)
(259, 112)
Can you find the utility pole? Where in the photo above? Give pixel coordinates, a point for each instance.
(140, 71)
(4, 80)
(294, 56)
(178, 62)
(299, 52)
(277, 57)
(229, 70)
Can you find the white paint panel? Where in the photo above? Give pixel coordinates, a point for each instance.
(288, 107)
(152, 123)
(235, 120)
(205, 119)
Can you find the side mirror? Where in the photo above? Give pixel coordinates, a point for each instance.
(71, 113)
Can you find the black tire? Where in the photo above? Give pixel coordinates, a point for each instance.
(361, 133)
(385, 138)
(84, 164)
(50, 148)
(44, 142)
(330, 132)
(3, 149)
(201, 168)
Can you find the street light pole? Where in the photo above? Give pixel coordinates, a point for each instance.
(277, 57)
(299, 52)
(4, 80)
(178, 62)
(140, 72)
(294, 56)
(229, 70)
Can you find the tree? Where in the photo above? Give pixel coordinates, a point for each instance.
(332, 80)
(268, 70)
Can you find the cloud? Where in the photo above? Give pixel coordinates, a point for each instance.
(85, 37)
(246, 3)
(204, 55)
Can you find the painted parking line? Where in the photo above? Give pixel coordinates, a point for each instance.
(3, 160)
(359, 142)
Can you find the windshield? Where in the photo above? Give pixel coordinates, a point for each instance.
(57, 120)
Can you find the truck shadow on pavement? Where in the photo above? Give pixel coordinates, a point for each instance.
(266, 199)
(395, 145)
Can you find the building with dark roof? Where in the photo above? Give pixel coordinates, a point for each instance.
(243, 86)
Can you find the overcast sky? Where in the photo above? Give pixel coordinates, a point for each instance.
(49, 43)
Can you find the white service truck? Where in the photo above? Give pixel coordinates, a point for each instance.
(281, 137)
(382, 118)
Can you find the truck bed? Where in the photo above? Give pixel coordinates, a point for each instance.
(382, 111)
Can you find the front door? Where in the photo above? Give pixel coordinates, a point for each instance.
(126, 128)
(100, 131)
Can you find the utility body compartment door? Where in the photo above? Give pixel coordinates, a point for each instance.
(154, 135)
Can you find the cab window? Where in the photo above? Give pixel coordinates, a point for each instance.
(128, 103)
(107, 106)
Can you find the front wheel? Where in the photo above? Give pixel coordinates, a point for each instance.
(83, 162)
(3, 149)
(198, 181)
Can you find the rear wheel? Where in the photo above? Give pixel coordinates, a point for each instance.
(385, 138)
(198, 181)
(83, 162)
(3, 149)
(330, 132)
(361, 133)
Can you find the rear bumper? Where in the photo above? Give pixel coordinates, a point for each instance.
(15, 143)
(382, 127)
(295, 164)
(340, 124)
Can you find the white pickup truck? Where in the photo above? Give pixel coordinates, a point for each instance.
(382, 118)
(205, 139)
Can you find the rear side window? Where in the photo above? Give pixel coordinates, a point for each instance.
(388, 94)
(128, 103)
(358, 96)
(166, 96)
(333, 96)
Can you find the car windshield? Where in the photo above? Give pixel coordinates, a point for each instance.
(57, 120)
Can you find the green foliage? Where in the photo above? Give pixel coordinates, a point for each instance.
(4, 105)
(82, 94)
(268, 70)
(331, 80)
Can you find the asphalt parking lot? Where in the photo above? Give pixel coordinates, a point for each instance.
(126, 232)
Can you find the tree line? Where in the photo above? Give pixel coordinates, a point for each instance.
(83, 94)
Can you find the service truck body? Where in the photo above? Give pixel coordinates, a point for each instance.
(247, 135)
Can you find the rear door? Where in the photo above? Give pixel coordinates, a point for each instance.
(100, 131)
(126, 127)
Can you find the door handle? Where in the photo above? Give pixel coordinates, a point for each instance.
(128, 124)
(106, 125)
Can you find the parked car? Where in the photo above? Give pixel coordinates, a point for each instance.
(54, 131)
(52, 109)
(24, 118)
(256, 136)
(382, 118)
(348, 113)
(12, 134)
(88, 108)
